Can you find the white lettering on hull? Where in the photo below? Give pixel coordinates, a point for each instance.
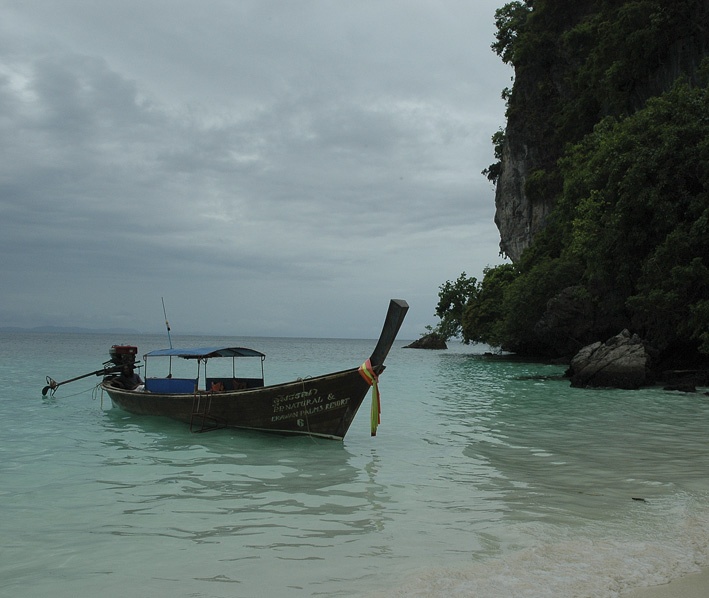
(300, 406)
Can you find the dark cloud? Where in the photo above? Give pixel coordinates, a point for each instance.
(268, 167)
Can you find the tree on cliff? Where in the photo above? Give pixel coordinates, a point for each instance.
(611, 105)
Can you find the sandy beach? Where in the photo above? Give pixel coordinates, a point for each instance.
(695, 585)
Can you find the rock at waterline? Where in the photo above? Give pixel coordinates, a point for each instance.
(620, 362)
(429, 341)
(685, 380)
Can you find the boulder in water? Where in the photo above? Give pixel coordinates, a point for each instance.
(621, 362)
(429, 341)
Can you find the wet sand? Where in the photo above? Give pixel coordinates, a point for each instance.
(694, 585)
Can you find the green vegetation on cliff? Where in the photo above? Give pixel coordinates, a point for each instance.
(612, 100)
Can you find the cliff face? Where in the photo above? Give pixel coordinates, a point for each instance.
(568, 78)
(542, 66)
(517, 218)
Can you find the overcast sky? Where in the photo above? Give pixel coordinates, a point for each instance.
(269, 167)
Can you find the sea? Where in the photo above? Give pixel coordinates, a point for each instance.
(489, 476)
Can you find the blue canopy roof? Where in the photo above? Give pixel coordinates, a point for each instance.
(206, 352)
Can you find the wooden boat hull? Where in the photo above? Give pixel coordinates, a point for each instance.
(323, 406)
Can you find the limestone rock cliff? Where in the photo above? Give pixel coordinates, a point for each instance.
(517, 218)
(554, 54)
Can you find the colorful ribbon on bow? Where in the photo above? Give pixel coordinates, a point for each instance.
(367, 372)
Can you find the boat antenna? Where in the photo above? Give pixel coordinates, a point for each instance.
(167, 324)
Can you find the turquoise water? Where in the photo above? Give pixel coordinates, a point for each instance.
(487, 478)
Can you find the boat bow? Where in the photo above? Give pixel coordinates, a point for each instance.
(394, 318)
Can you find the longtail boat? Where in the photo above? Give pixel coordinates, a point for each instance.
(322, 406)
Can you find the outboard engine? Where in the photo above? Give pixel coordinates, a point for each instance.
(123, 354)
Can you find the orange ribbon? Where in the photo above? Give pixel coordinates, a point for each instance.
(367, 372)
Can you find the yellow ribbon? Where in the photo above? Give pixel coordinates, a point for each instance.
(367, 372)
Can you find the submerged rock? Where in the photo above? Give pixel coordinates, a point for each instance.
(621, 362)
(429, 341)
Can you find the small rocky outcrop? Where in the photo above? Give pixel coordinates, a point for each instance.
(621, 362)
(429, 341)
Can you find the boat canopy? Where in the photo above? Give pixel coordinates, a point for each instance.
(206, 353)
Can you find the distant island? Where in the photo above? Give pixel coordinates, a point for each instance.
(70, 330)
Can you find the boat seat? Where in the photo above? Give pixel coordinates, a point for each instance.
(219, 384)
(171, 385)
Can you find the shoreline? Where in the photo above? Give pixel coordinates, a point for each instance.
(692, 585)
